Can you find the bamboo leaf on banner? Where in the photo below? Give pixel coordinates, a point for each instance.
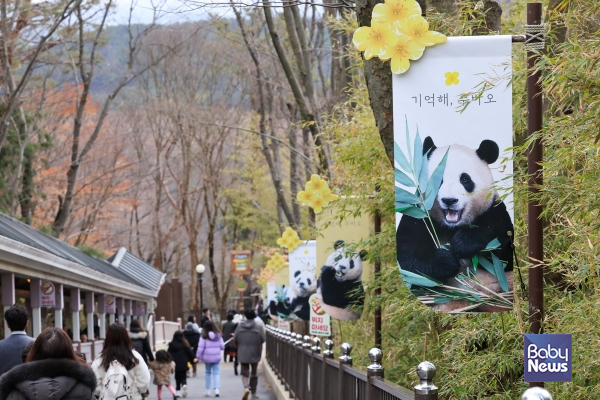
(414, 212)
(402, 178)
(406, 197)
(408, 140)
(484, 262)
(500, 274)
(400, 158)
(411, 278)
(423, 177)
(418, 157)
(494, 244)
(433, 186)
(475, 261)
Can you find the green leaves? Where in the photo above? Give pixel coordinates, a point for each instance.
(435, 181)
(410, 278)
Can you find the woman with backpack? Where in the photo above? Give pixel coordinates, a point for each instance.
(209, 351)
(140, 341)
(120, 370)
(52, 371)
(181, 352)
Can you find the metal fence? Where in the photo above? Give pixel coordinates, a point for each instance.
(309, 375)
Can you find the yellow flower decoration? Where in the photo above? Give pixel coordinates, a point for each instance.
(452, 78)
(417, 29)
(316, 194)
(276, 262)
(290, 239)
(404, 51)
(267, 274)
(373, 40)
(395, 11)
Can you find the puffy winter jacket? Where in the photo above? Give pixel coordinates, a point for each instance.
(209, 350)
(139, 375)
(59, 379)
(181, 355)
(141, 343)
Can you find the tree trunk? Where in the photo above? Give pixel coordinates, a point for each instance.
(378, 76)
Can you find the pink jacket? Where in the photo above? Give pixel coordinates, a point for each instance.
(209, 350)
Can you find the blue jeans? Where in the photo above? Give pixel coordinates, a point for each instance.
(213, 368)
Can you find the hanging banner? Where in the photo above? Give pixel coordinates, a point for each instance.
(109, 304)
(320, 322)
(141, 308)
(341, 266)
(48, 294)
(303, 282)
(283, 324)
(241, 262)
(453, 166)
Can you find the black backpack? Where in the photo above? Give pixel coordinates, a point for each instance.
(138, 345)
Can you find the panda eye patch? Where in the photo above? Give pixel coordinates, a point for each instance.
(308, 281)
(351, 264)
(338, 258)
(467, 182)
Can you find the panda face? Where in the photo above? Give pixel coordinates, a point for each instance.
(304, 283)
(467, 190)
(347, 264)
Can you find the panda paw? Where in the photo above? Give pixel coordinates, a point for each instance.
(467, 243)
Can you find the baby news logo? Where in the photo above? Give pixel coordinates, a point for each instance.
(548, 358)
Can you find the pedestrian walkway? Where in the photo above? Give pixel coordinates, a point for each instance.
(231, 386)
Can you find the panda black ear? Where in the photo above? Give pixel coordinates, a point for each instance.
(363, 254)
(296, 273)
(338, 244)
(428, 146)
(488, 151)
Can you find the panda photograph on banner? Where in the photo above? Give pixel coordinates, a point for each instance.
(453, 175)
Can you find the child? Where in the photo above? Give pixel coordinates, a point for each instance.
(209, 351)
(163, 367)
(182, 354)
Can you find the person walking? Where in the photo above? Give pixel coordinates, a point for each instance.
(11, 348)
(181, 352)
(230, 349)
(140, 341)
(205, 317)
(192, 335)
(51, 370)
(249, 338)
(209, 352)
(163, 367)
(118, 354)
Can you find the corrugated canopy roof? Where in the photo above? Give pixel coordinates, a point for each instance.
(23, 233)
(134, 266)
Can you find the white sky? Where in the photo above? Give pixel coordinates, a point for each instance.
(170, 11)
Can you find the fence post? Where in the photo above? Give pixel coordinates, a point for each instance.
(315, 349)
(426, 390)
(536, 393)
(374, 371)
(328, 352)
(345, 359)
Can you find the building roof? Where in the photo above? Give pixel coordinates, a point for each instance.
(137, 268)
(27, 235)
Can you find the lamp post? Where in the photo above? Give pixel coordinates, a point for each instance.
(200, 268)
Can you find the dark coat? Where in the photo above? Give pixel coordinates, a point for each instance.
(141, 343)
(181, 355)
(249, 337)
(11, 350)
(57, 379)
(228, 330)
(192, 336)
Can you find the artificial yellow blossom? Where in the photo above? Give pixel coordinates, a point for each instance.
(276, 262)
(316, 194)
(267, 274)
(404, 51)
(290, 239)
(374, 40)
(394, 12)
(451, 78)
(417, 29)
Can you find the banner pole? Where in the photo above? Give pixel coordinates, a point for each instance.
(534, 45)
(376, 273)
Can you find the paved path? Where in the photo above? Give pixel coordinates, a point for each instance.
(231, 386)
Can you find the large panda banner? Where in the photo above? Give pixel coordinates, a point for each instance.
(453, 168)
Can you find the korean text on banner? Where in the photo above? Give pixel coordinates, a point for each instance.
(320, 322)
(453, 170)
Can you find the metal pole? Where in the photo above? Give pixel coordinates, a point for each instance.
(534, 169)
(376, 272)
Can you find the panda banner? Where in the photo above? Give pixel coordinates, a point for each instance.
(453, 172)
(303, 282)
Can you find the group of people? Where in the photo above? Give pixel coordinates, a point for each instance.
(49, 368)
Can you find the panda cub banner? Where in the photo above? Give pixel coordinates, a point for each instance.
(453, 172)
(303, 280)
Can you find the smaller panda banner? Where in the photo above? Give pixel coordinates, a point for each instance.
(453, 170)
(303, 281)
